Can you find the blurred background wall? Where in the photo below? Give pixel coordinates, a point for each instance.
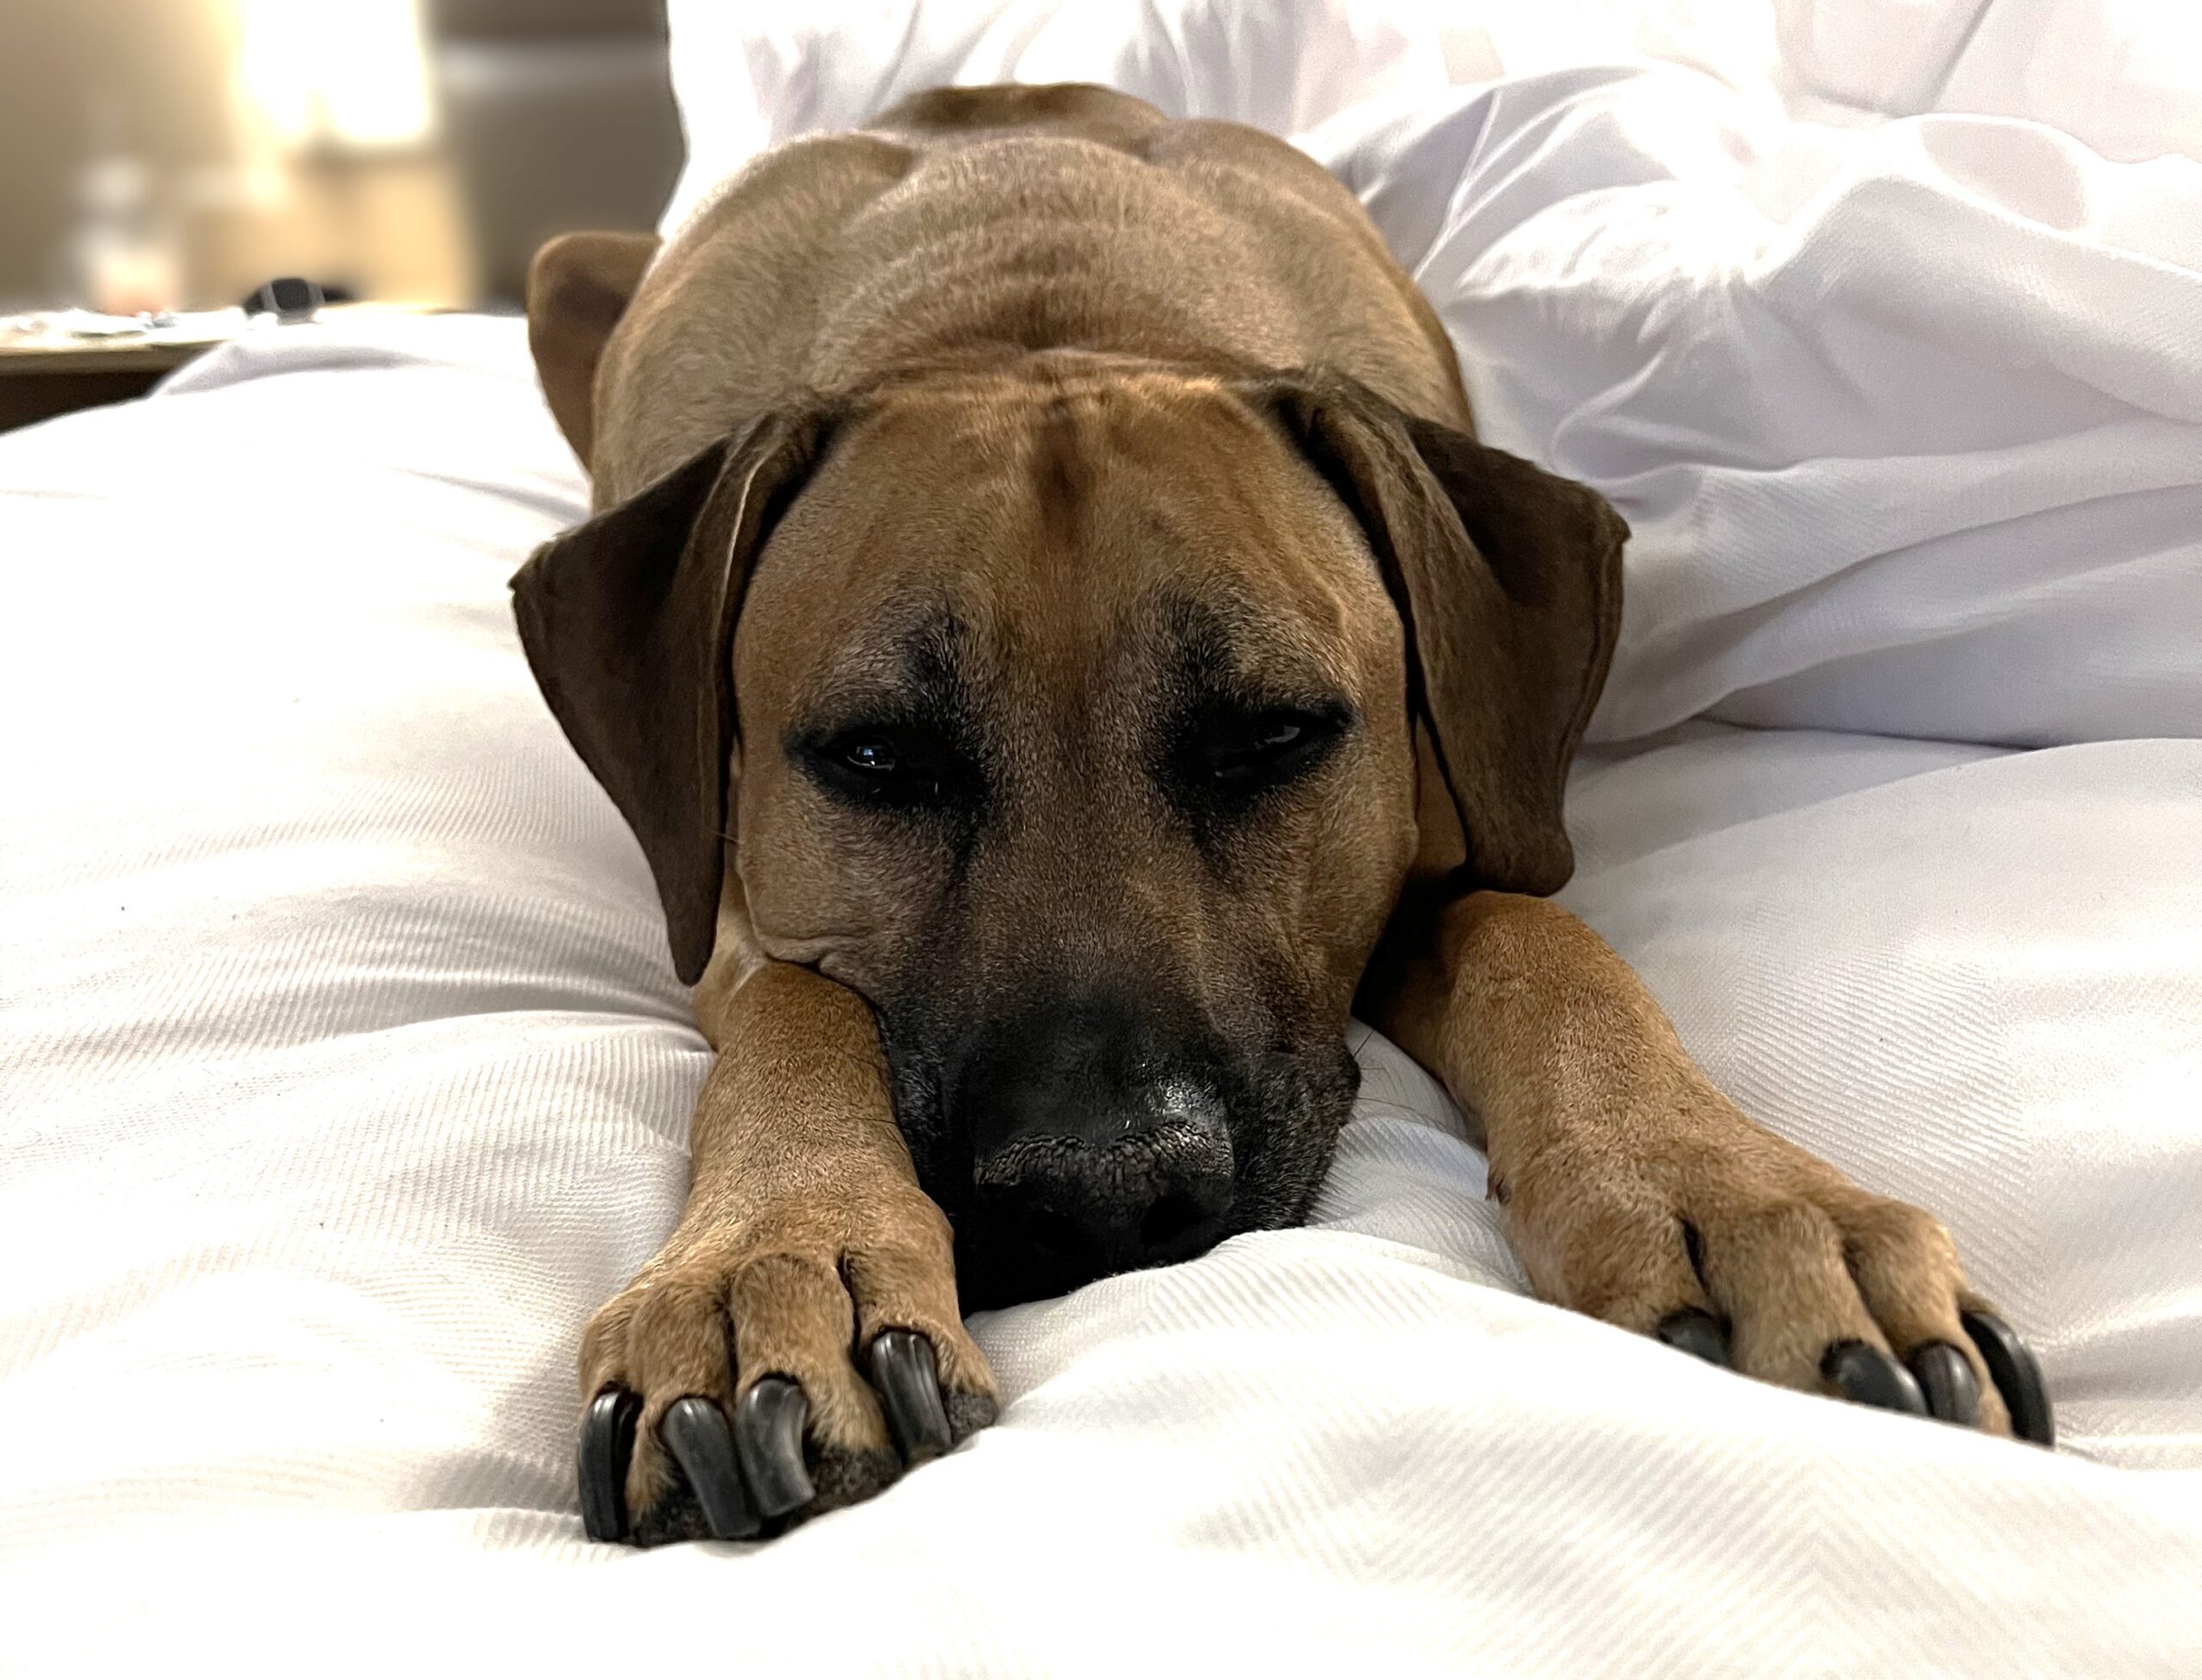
(176, 153)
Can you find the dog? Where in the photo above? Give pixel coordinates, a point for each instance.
(1048, 622)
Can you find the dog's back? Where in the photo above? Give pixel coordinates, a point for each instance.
(984, 224)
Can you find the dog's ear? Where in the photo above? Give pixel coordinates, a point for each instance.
(628, 621)
(1507, 580)
(577, 289)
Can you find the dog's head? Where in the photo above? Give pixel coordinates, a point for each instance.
(1087, 719)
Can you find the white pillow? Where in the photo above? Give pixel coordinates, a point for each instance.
(747, 78)
(1907, 419)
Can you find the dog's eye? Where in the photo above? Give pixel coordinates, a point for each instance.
(1268, 746)
(874, 754)
(899, 768)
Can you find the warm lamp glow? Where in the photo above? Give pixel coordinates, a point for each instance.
(347, 74)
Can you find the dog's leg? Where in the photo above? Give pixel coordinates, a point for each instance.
(805, 1242)
(1634, 1191)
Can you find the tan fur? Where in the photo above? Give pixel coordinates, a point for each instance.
(577, 288)
(823, 263)
(804, 1236)
(1604, 1137)
(1046, 302)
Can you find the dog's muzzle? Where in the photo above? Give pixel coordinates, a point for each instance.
(1148, 1197)
(1099, 1145)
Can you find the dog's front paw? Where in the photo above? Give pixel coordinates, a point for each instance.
(1702, 1228)
(750, 1379)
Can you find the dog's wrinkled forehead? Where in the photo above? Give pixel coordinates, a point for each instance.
(969, 536)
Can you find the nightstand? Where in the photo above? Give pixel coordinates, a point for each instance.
(47, 374)
(42, 378)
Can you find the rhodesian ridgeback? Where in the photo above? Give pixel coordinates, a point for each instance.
(1053, 631)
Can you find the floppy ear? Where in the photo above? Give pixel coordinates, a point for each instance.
(628, 622)
(1507, 580)
(577, 289)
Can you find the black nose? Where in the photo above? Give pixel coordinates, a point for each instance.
(1099, 1144)
(1079, 1210)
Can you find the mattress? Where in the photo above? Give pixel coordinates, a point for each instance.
(343, 1073)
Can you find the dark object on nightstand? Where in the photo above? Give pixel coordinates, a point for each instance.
(286, 298)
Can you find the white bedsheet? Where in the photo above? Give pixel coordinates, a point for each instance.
(343, 1074)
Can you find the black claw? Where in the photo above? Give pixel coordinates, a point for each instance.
(607, 1445)
(1869, 1377)
(907, 1376)
(696, 1432)
(768, 1433)
(1696, 1331)
(1945, 1377)
(2017, 1373)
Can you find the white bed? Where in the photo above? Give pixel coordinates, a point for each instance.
(342, 1072)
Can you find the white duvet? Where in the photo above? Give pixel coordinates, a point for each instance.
(342, 1072)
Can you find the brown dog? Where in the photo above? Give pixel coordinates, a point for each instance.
(1050, 626)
